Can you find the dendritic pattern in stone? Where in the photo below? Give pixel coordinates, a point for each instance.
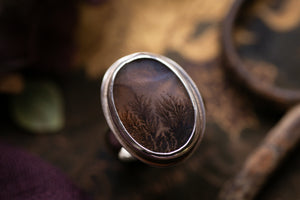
(153, 105)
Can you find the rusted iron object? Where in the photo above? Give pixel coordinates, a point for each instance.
(264, 160)
(280, 140)
(283, 97)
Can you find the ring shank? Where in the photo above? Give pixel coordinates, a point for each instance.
(117, 148)
(125, 156)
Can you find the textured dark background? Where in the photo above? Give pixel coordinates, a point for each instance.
(187, 32)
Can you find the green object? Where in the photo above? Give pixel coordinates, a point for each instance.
(39, 108)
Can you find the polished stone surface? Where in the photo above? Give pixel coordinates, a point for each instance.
(153, 105)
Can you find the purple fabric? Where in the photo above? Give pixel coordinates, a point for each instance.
(24, 176)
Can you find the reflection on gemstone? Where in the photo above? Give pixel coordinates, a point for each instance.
(153, 105)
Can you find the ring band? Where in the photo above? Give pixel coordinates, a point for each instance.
(153, 108)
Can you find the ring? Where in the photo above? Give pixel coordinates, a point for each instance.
(153, 109)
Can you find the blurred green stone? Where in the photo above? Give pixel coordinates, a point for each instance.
(39, 108)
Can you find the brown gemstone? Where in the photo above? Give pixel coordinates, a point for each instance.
(153, 105)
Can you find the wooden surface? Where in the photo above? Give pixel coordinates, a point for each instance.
(187, 32)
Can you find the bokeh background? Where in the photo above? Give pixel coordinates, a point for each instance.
(53, 55)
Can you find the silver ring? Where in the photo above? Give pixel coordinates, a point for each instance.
(153, 108)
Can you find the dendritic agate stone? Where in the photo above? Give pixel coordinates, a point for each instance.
(153, 105)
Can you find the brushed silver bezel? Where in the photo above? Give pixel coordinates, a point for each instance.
(120, 132)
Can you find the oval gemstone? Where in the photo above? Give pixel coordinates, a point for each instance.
(153, 105)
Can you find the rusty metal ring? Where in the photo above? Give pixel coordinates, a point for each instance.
(284, 135)
(280, 96)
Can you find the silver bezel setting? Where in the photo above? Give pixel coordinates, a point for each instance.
(120, 132)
